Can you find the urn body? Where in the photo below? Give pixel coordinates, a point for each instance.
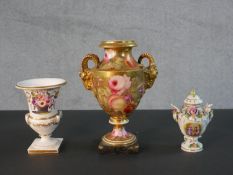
(118, 82)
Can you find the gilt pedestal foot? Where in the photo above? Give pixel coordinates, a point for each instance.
(119, 145)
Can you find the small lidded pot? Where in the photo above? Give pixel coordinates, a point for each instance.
(192, 119)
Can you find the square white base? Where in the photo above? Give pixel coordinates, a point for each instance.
(34, 149)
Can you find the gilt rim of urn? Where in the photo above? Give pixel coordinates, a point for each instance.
(117, 43)
(41, 83)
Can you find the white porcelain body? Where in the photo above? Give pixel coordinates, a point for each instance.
(183, 121)
(192, 126)
(44, 126)
(43, 117)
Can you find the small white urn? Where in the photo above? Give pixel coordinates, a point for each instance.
(43, 117)
(192, 119)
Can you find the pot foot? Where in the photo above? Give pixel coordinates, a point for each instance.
(50, 146)
(191, 145)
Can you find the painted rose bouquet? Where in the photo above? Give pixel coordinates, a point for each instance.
(120, 99)
(42, 101)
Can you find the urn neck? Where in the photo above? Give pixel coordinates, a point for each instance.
(124, 53)
(118, 55)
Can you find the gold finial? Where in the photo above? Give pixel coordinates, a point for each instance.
(193, 93)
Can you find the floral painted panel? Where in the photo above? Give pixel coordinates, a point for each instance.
(41, 100)
(119, 94)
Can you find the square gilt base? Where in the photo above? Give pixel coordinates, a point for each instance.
(34, 149)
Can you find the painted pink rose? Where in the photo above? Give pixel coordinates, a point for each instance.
(109, 54)
(41, 103)
(42, 100)
(119, 84)
(117, 103)
(106, 59)
(192, 110)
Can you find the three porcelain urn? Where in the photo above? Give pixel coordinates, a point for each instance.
(118, 82)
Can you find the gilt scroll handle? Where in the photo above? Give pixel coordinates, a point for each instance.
(86, 74)
(150, 72)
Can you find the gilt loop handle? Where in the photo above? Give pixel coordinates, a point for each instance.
(91, 57)
(86, 74)
(151, 71)
(147, 56)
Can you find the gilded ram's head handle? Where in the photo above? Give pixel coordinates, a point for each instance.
(150, 72)
(86, 73)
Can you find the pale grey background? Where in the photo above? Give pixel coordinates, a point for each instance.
(191, 39)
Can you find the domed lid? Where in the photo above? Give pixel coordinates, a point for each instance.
(193, 99)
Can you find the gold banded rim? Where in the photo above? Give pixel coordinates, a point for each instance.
(41, 118)
(41, 83)
(117, 43)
